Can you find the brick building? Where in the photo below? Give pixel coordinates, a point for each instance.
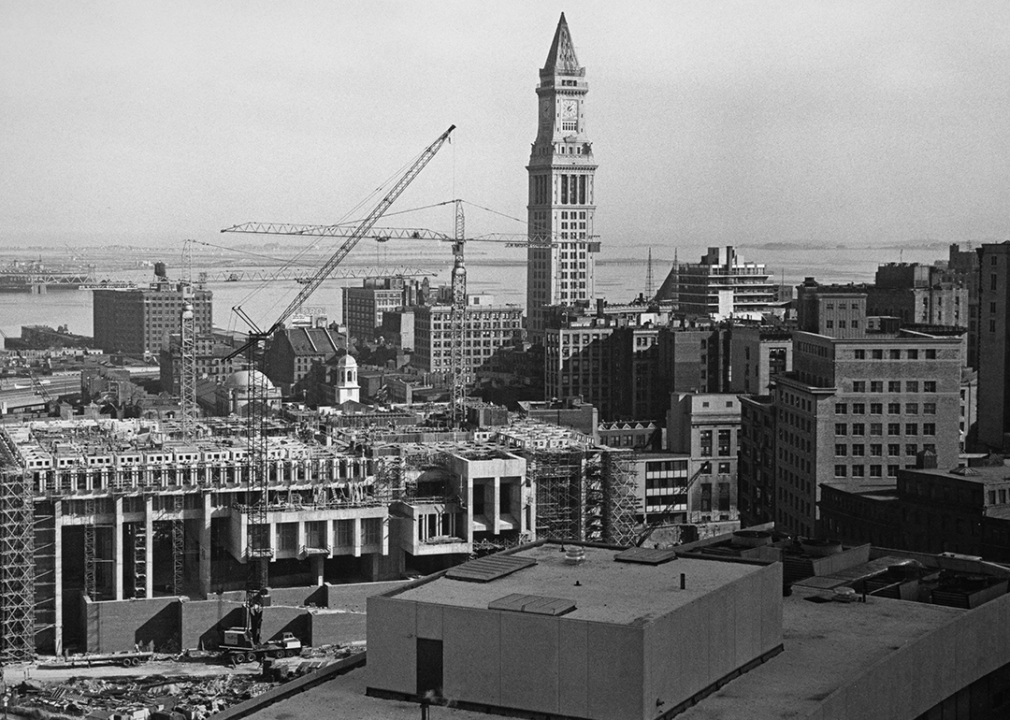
(994, 345)
(487, 329)
(136, 321)
(293, 352)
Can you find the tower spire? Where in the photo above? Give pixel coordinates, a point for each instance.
(561, 59)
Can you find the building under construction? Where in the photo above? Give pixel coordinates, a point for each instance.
(98, 512)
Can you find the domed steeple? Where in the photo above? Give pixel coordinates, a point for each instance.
(347, 380)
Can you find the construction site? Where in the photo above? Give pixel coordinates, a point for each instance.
(109, 524)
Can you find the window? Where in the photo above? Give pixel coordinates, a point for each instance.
(858, 429)
(858, 408)
(877, 354)
(875, 471)
(929, 428)
(841, 450)
(912, 386)
(913, 354)
(929, 386)
(841, 408)
(876, 386)
(858, 471)
(911, 408)
(876, 408)
(371, 531)
(841, 471)
(876, 450)
(892, 470)
(893, 408)
(929, 408)
(911, 449)
(911, 428)
(858, 386)
(860, 354)
(706, 497)
(876, 428)
(724, 442)
(840, 429)
(894, 354)
(724, 468)
(894, 428)
(894, 449)
(858, 450)
(894, 386)
(841, 324)
(830, 324)
(931, 354)
(706, 443)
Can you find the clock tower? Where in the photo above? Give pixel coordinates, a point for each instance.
(561, 189)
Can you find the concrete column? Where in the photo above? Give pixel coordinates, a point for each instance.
(204, 539)
(300, 535)
(149, 546)
(317, 568)
(328, 537)
(117, 548)
(58, 572)
(496, 505)
(356, 537)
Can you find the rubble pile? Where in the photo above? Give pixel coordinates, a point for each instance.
(163, 696)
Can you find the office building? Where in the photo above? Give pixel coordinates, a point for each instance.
(757, 355)
(139, 321)
(363, 307)
(720, 286)
(487, 329)
(562, 191)
(994, 345)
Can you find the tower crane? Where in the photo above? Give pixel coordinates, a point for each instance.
(457, 324)
(258, 546)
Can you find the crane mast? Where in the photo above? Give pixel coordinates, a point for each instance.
(457, 325)
(259, 549)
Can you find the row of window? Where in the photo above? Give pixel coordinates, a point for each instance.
(893, 386)
(894, 353)
(894, 408)
(878, 428)
(877, 450)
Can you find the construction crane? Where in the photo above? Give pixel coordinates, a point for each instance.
(187, 337)
(459, 375)
(258, 548)
(644, 535)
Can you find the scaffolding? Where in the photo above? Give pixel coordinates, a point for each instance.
(140, 569)
(557, 476)
(619, 480)
(17, 572)
(45, 576)
(90, 551)
(178, 546)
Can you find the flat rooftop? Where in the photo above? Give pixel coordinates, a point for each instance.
(827, 646)
(607, 591)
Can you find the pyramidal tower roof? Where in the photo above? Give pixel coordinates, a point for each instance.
(561, 59)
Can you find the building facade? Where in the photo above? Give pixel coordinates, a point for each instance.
(562, 191)
(756, 356)
(487, 329)
(293, 352)
(363, 307)
(138, 321)
(720, 286)
(994, 345)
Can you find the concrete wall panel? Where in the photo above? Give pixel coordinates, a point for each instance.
(721, 631)
(429, 621)
(529, 665)
(573, 667)
(392, 645)
(616, 667)
(118, 625)
(747, 598)
(472, 650)
(327, 628)
(771, 612)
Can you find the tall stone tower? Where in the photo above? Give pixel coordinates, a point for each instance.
(561, 187)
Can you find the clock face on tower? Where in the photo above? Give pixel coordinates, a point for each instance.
(569, 110)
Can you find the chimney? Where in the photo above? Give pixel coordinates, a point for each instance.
(599, 308)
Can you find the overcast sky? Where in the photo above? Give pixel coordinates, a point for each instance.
(712, 122)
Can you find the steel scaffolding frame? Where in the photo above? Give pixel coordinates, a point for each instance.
(17, 572)
(44, 532)
(557, 475)
(619, 484)
(178, 546)
(90, 550)
(140, 568)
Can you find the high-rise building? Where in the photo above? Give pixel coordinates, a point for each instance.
(993, 344)
(136, 321)
(561, 187)
(487, 328)
(720, 286)
(363, 307)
